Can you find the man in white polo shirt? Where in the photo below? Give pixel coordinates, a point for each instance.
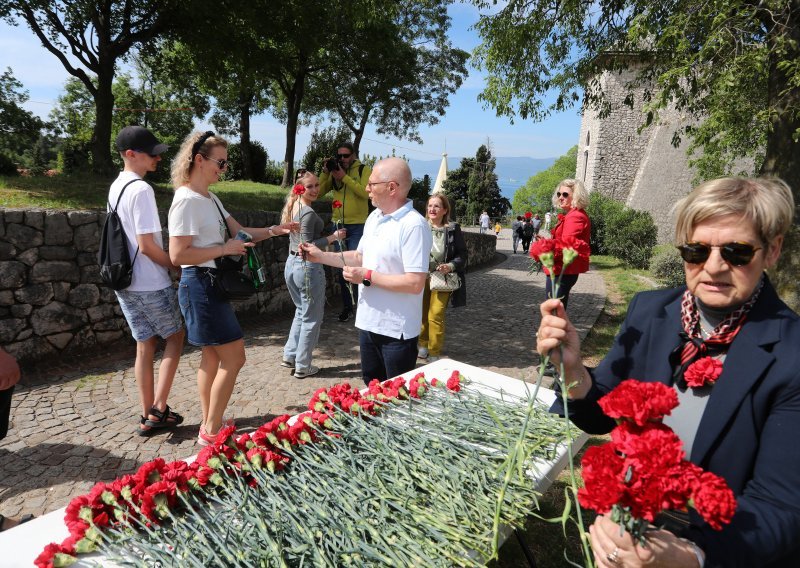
(391, 267)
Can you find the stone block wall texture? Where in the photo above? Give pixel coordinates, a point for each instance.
(53, 303)
(641, 169)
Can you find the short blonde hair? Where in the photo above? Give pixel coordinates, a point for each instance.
(183, 162)
(580, 197)
(767, 203)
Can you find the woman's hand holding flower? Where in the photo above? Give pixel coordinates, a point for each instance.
(555, 330)
(663, 549)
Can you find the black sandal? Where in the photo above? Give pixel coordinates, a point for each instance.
(146, 432)
(166, 419)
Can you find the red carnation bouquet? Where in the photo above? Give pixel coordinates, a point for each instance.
(642, 471)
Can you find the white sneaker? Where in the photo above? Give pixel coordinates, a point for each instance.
(422, 353)
(303, 373)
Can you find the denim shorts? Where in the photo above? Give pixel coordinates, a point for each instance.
(209, 319)
(151, 313)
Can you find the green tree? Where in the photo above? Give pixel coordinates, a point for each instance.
(473, 188)
(397, 71)
(537, 193)
(323, 144)
(19, 128)
(733, 65)
(98, 35)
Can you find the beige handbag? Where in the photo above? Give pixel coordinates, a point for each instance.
(441, 282)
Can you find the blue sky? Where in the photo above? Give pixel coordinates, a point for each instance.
(465, 126)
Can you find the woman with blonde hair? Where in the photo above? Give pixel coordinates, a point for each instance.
(570, 196)
(305, 280)
(197, 229)
(738, 421)
(448, 254)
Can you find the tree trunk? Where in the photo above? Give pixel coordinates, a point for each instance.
(358, 134)
(245, 148)
(101, 135)
(294, 98)
(782, 157)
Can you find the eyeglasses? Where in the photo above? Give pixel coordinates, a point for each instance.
(372, 184)
(735, 254)
(221, 163)
(343, 156)
(563, 194)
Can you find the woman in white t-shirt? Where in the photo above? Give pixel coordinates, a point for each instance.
(198, 237)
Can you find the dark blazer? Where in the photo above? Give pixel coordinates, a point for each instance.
(747, 432)
(456, 252)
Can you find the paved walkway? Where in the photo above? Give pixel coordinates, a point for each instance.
(74, 424)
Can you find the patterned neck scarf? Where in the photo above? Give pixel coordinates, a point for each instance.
(693, 346)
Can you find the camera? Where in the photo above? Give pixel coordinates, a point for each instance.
(332, 164)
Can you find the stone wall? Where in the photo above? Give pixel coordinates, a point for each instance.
(480, 248)
(53, 303)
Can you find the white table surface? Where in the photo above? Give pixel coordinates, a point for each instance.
(21, 545)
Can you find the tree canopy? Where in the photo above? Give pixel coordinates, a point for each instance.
(733, 66)
(537, 193)
(473, 188)
(19, 128)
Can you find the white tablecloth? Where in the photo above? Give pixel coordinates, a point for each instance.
(21, 545)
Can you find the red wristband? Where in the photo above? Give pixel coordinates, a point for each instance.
(368, 275)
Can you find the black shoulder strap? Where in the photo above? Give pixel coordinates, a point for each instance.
(227, 230)
(360, 171)
(121, 191)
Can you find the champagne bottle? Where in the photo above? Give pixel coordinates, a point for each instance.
(257, 272)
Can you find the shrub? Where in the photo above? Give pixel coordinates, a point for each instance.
(624, 233)
(667, 267)
(273, 172)
(259, 158)
(7, 166)
(631, 236)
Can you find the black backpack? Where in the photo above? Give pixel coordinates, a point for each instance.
(116, 266)
(528, 230)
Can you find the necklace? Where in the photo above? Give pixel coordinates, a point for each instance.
(703, 331)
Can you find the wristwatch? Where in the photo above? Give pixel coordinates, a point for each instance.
(367, 278)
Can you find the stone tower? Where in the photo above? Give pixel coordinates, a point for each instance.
(641, 169)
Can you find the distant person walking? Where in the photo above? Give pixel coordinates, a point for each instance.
(516, 233)
(497, 228)
(484, 222)
(547, 218)
(527, 234)
(537, 224)
(150, 303)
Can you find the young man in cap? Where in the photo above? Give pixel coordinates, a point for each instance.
(150, 303)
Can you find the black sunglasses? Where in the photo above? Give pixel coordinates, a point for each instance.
(343, 156)
(563, 194)
(735, 254)
(220, 163)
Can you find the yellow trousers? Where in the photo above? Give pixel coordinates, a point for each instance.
(434, 306)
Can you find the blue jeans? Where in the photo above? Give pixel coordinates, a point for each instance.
(384, 357)
(306, 284)
(564, 286)
(354, 234)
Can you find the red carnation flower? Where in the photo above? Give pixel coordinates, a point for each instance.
(703, 372)
(298, 189)
(454, 382)
(336, 204)
(638, 401)
(544, 251)
(714, 500)
(602, 477)
(528, 214)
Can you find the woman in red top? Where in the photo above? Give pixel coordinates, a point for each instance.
(572, 197)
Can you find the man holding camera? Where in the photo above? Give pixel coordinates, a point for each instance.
(347, 178)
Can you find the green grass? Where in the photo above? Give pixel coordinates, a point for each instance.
(86, 191)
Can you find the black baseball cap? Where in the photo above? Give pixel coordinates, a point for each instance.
(140, 139)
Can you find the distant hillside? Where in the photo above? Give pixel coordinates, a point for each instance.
(511, 172)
